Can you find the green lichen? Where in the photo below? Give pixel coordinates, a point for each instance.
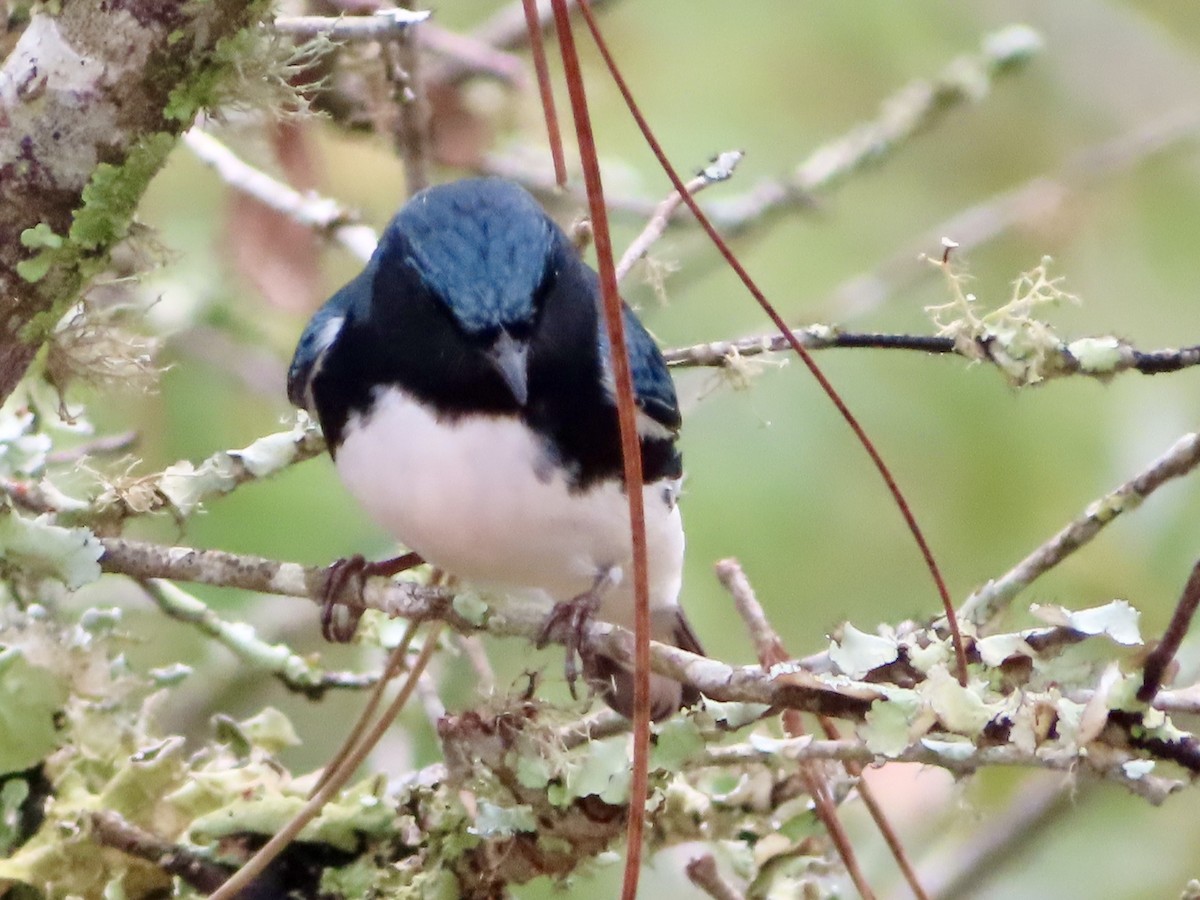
(252, 69)
(108, 203)
(64, 264)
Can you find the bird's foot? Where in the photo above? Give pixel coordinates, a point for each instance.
(341, 605)
(568, 621)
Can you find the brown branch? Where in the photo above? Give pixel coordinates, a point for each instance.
(113, 830)
(715, 679)
(412, 137)
(770, 649)
(1160, 657)
(631, 453)
(537, 49)
(785, 686)
(827, 388)
(702, 872)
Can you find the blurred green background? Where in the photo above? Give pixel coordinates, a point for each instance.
(774, 477)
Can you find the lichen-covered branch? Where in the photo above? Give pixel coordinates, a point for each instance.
(1095, 357)
(896, 684)
(184, 486)
(954, 757)
(995, 596)
(296, 672)
(92, 99)
(510, 619)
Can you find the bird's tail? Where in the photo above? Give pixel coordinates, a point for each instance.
(615, 679)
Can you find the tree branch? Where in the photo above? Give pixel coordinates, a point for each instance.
(382, 25)
(92, 101)
(960, 759)
(296, 672)
(326, 217)
(948, 737)
(1102, 357)
(994, 597)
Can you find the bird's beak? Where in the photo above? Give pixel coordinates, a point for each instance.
(510, 357)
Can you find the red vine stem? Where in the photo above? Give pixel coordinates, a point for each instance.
(537, 48)
(631, 453)
(723, 248)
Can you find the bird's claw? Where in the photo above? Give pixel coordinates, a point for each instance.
(568, 621)
(341, 595)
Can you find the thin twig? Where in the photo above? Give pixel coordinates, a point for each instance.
(472, 648)
(469, 53)
(382, 25)
(1160, 657)
(867, 794)
(994, 597)
(110, 829)
(412, 124)
(184, 486)
(514, 618)
(913, 109)
(474, 55)
(257, 863)
(703, 873)
(781, 687)
(959, 760)
(910, 111)
(538, 50)
(720, 169)
(506, 29)
(391, 668)
(770, 649)
(105, 445)
(296, 672)
(1121, 356)
(631, 454)
(327, 217)
(772, 313)
(1033, 200)
(1017, 828)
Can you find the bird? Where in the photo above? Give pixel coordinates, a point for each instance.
(464, 387)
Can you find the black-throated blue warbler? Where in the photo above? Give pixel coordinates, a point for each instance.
(464, 387)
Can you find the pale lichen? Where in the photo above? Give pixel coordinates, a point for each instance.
(1012, 336)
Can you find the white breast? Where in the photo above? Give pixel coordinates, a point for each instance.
(479, 498)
